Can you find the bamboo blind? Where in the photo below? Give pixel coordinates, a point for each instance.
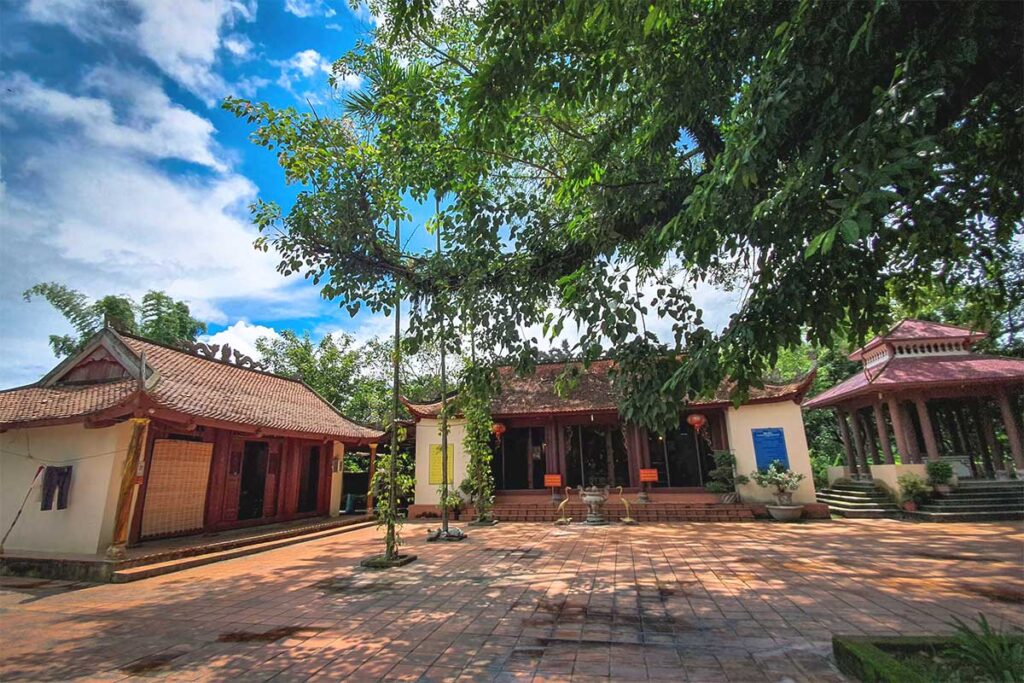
(176, 492)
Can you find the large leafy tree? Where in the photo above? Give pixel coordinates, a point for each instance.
(159, 317)
(355, 378)
(599, 159)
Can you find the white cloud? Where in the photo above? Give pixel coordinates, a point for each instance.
(363, 13)
(241, 336)
(310, 66)
(239, 45)
(87, 202)
(150, 124)
(309, 8)
(181, 37)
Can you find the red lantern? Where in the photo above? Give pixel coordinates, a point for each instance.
(498, 429)
(696, 420)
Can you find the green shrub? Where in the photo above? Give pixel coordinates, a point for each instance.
(724, 478)
(939, 472)
(913, 487)
(999, 656)
(779, 477)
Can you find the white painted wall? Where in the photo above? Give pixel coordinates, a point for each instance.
(87, 525)
(428, 431)
(785, 414)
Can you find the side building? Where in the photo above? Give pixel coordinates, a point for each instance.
(581, 438)
(130, 440)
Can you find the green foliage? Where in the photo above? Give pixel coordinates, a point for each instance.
(167, 321)
(997, 656)
(478, 387)
(159, 318)
(600, 160)
(939, 472)
(913, 487)
(724, 478)
(356, 379)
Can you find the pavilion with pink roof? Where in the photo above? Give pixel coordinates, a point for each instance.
(922, 385)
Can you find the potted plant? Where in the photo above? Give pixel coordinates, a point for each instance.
(913, 491)
(940, 474)
(784, 481)
(724, 479)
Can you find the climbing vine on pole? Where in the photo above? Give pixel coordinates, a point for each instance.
(475, 399)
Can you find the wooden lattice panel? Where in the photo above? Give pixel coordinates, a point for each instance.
(176, 491)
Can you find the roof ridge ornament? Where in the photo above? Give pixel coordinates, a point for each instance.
(223, 353)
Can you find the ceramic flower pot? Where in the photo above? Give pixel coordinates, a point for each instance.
(785, 513)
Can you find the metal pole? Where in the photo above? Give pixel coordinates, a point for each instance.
(391, 548)
(444, 400)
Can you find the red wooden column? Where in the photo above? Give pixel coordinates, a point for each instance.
(844, 434)
(899, 428)
(858, 444)
(369, 489)
(870, 439)
(930, 445)
(1012, 428)
(883, 433)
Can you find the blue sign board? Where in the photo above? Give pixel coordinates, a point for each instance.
(769, 446)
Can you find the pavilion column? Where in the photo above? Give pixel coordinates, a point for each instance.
(1012, 428)
(844, 435)
(899, 430)
(872, 446)
(130, 476)
(373, 469)
(989, 432)
(912, 442)
(858, 444)
(928, 431)
(883, 433)
(979, 434)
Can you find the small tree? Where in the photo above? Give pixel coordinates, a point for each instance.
(724, 479)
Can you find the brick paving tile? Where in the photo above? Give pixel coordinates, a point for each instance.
(519, 602)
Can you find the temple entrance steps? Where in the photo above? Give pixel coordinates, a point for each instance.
(858, 500)
(976, 501)
(613, 512)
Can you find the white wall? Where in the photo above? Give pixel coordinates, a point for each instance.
(428, 431)
(785, 414)
(86, 526)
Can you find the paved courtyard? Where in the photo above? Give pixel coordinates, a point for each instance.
(681, 602)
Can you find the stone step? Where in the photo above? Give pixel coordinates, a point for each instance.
(145, 571)
(947, 506)
(846, 496)
(962, 495)
(863, 514)
(927, 516)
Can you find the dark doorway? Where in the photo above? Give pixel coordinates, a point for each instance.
(595, 456)
(682, 458)
(309, 481)
(518, 459)
(254, 480)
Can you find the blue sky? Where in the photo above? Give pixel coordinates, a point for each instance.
(120, 173)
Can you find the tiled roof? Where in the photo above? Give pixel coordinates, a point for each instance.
(924, 371)
(211, 389)
(198, 387)
(32, 403)
(910, 329)
(536, 394)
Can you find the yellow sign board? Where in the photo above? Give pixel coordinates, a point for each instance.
(435, 464)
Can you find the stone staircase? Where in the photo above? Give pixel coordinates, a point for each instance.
(858, 500)
(647, 513)
(976, 501)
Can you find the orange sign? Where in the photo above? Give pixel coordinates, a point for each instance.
(649, 476)
(552, 481)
